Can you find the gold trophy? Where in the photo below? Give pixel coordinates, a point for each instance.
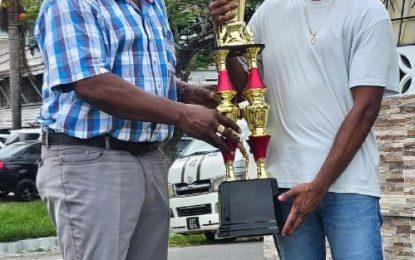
(247, 207)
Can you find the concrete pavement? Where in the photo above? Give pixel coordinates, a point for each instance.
(228, 251)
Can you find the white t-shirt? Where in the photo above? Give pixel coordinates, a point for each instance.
(309, 86)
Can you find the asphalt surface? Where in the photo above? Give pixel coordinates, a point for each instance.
(229, 251)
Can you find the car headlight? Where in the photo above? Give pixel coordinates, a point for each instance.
(216, 182)
(171, 190)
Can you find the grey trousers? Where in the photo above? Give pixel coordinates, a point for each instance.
(106, 205)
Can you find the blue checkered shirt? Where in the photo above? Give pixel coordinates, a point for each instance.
(84, 38)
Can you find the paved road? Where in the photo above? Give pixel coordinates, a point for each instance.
(232, 251)
(229, 251)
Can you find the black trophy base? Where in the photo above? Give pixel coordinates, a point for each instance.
(249, 208)
(239, 50)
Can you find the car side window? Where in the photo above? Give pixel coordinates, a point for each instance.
(32, 154)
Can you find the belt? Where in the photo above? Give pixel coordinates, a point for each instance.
(105, 141)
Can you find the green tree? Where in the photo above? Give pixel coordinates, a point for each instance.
(17, 22)
(191, 25)
(194, 32)
(10, 14)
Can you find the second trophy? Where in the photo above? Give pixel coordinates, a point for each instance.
(247, 207)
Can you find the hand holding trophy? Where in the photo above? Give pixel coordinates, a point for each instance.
(247, 207)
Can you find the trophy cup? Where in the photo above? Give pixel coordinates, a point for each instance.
(247, 207)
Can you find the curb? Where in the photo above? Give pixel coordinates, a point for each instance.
(29, 245)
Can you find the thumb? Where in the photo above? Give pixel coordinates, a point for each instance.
(286, 195)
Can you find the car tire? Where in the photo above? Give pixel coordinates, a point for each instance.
(3, 194)
(210, 236)
(26, 190)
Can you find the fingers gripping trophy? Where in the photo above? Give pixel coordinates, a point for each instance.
(247, 207)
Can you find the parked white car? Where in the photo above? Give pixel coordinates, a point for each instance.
(25, 134)
(194, 179)
(3, 138)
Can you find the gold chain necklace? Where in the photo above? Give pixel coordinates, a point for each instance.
(314, 34)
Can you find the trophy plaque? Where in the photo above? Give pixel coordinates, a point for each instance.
(247, 207)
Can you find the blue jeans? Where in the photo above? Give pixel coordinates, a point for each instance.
(351, 223)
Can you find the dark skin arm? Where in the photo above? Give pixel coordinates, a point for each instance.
(121, 99)
(350, 137)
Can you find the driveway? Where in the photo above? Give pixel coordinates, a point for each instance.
(229, 251)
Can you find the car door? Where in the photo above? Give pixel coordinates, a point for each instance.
(31, 157)
(25, 163)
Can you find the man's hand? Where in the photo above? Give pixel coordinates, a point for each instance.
(221, 11)
(349, 139)
(203, 123)
(199, 95)
(306, 198)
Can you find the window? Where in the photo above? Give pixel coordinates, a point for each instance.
(402, 13)
(31, 91)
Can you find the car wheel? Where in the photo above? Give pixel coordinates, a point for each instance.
(210, 236)
(4, 194)
(26, 190)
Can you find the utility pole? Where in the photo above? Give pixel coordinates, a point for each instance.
(15, 63)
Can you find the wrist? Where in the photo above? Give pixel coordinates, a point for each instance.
(321, 185)
(178, 113)
(181, 91)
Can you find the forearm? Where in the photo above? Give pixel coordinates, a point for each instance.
(348, 141)
(119, 98)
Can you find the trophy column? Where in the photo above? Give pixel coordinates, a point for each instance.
(225, 94)
(256, 114)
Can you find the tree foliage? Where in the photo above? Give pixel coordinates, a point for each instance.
(194, 33)
(189, 20)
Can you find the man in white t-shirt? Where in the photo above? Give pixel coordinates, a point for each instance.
(327, 64)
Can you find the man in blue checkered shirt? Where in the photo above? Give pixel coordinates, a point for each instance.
(109, 101)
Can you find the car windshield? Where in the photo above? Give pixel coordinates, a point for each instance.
(13, 149)
(198, 147)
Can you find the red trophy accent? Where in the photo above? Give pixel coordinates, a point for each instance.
(224, 82)
(259, 145)
(228, 157)
(255, 80)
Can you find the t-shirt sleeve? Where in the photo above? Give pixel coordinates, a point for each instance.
(374, 59)
(71, 42)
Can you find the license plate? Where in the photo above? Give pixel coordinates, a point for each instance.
(193, 223)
